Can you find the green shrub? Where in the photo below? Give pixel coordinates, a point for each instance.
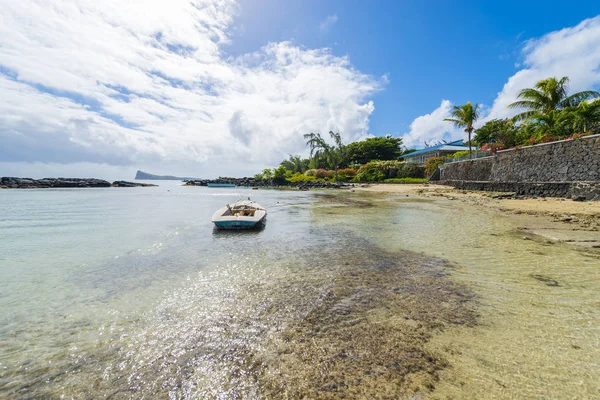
(321, 173)
(346, 174)
(377, 171)
(406, 180)
(461, 154)
(432, 164)
(298, 177)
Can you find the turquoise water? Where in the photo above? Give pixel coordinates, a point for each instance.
(130, 293)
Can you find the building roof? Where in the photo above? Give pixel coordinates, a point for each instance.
(457, 145)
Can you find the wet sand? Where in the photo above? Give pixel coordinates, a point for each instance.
(561, 220)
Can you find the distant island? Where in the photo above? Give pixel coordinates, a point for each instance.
(141, 175)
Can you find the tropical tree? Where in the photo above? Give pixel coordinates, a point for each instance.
(464, 117)
(333, 154)
(501, 131)
(585, 116)
(548, 95)
(295, 164)
(377, 148)
(267, 174)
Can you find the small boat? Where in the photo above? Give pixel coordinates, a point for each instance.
(243, 214)
(220, 184)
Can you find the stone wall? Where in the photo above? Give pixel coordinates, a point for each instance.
(471, 170)
(564, 161)
(569, 168)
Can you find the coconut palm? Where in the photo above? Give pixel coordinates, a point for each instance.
(548, 95)
(334, 154)
(464, 117)
(585, 116)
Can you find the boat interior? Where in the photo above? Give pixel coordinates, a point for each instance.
(239, 211)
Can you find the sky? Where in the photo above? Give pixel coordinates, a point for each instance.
(213, 88)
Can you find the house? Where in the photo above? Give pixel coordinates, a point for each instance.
(444, 149)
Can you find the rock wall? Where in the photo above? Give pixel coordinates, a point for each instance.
(471, 170)
(569, 168)
(564, 161)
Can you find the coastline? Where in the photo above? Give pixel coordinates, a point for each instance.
(555, 219)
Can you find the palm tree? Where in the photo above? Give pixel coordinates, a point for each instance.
(334, 154)
(295, 164)
(585, 116)
(464, 117)
(548, 95)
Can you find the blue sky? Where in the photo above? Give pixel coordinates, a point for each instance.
(429, 49)
(226, 87)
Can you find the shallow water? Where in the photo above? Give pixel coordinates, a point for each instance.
(125, 293)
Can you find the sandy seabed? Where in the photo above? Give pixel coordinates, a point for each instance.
(562, 220)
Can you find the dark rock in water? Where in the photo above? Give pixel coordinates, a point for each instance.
(251, 182)
(546, 279)
(130, 184)
(46, 183)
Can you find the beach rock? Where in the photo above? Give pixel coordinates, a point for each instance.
(251, 182)
(46, 183)
(130, 184)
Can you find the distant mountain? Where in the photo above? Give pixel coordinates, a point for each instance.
(144, 176)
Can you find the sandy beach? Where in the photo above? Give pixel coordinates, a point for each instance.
(556, 219)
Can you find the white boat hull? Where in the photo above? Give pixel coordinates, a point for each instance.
(233, 217)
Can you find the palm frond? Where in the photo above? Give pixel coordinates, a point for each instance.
(456, 122)
(576, 98)
(527, 104)
(523, 116)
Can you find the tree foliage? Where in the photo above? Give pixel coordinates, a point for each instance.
(548, 95)
(295, 164)
(377, 148)
(334, 154)
(464, 117)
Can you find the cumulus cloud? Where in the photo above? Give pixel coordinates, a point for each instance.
(146, 83)
(431, 128)
(572, 52)
(328, 22)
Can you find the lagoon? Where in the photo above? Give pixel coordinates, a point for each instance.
(129, 292)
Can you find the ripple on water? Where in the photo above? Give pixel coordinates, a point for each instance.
(323, 323)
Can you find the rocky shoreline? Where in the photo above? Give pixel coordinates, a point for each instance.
(251, 182)
(51, 183)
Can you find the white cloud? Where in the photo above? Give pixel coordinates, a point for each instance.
(431, 128)
(146, 83)
(328, 22)
(572, 52)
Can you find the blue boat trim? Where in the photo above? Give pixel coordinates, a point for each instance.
(220, 184)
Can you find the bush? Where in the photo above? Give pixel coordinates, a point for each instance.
(346, 174)
(321, 173)
(461, 154)
(406, 180)
(432, 164)
(310, 172)
(298, 177)
(377, 171)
